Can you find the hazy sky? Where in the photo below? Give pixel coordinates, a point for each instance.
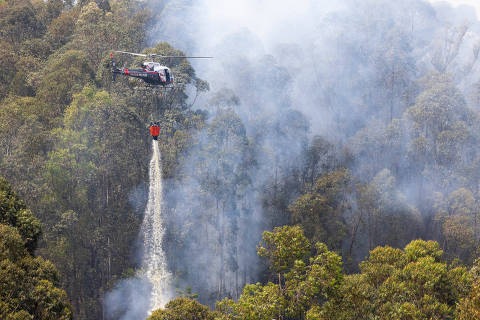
(474, 3)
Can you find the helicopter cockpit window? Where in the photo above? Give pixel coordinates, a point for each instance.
(157, 67)
(149, 66)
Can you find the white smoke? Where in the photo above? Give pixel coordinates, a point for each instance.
(327, 49)
(129, 300)
(321, 58)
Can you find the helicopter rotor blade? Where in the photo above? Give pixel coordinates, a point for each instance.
(134, 54)
(154, 55)
(158, 56)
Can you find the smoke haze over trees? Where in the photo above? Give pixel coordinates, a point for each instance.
(351, 125)
(385, 90)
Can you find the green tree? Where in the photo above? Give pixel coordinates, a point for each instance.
(457, 218)
(395, 68)
(385, 212)
(57, 87)
(308, 283)
(321, 212)
(27, 284)
(7, 63)
(19, 21)
(256, 302)
(182, 309)
(98, 31)
(320, 157)
(440, 119)
(283, 247)
(60, 30)
(13, 212)
(401, 284)
(469, 307)
(86, 180)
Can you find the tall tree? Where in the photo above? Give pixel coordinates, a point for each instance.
(27, 283)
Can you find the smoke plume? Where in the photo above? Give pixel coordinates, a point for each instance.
(283, 73)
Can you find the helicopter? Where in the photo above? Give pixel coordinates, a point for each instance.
(152, 72)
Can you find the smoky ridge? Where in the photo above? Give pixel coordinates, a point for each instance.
(341, 78)
(239, 159)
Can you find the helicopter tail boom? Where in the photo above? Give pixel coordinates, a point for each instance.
(114, 68)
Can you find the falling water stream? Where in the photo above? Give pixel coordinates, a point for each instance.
(154, 264)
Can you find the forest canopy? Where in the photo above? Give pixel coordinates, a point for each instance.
(28, 284)
(331, 175)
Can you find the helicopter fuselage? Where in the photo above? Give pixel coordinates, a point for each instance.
(152, 73)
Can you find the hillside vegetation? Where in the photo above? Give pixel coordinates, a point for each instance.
(28, 284)
(343, 216)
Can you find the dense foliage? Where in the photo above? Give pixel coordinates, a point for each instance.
(402, 163)
(413, 283)
(28, 284)
(73, 145)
